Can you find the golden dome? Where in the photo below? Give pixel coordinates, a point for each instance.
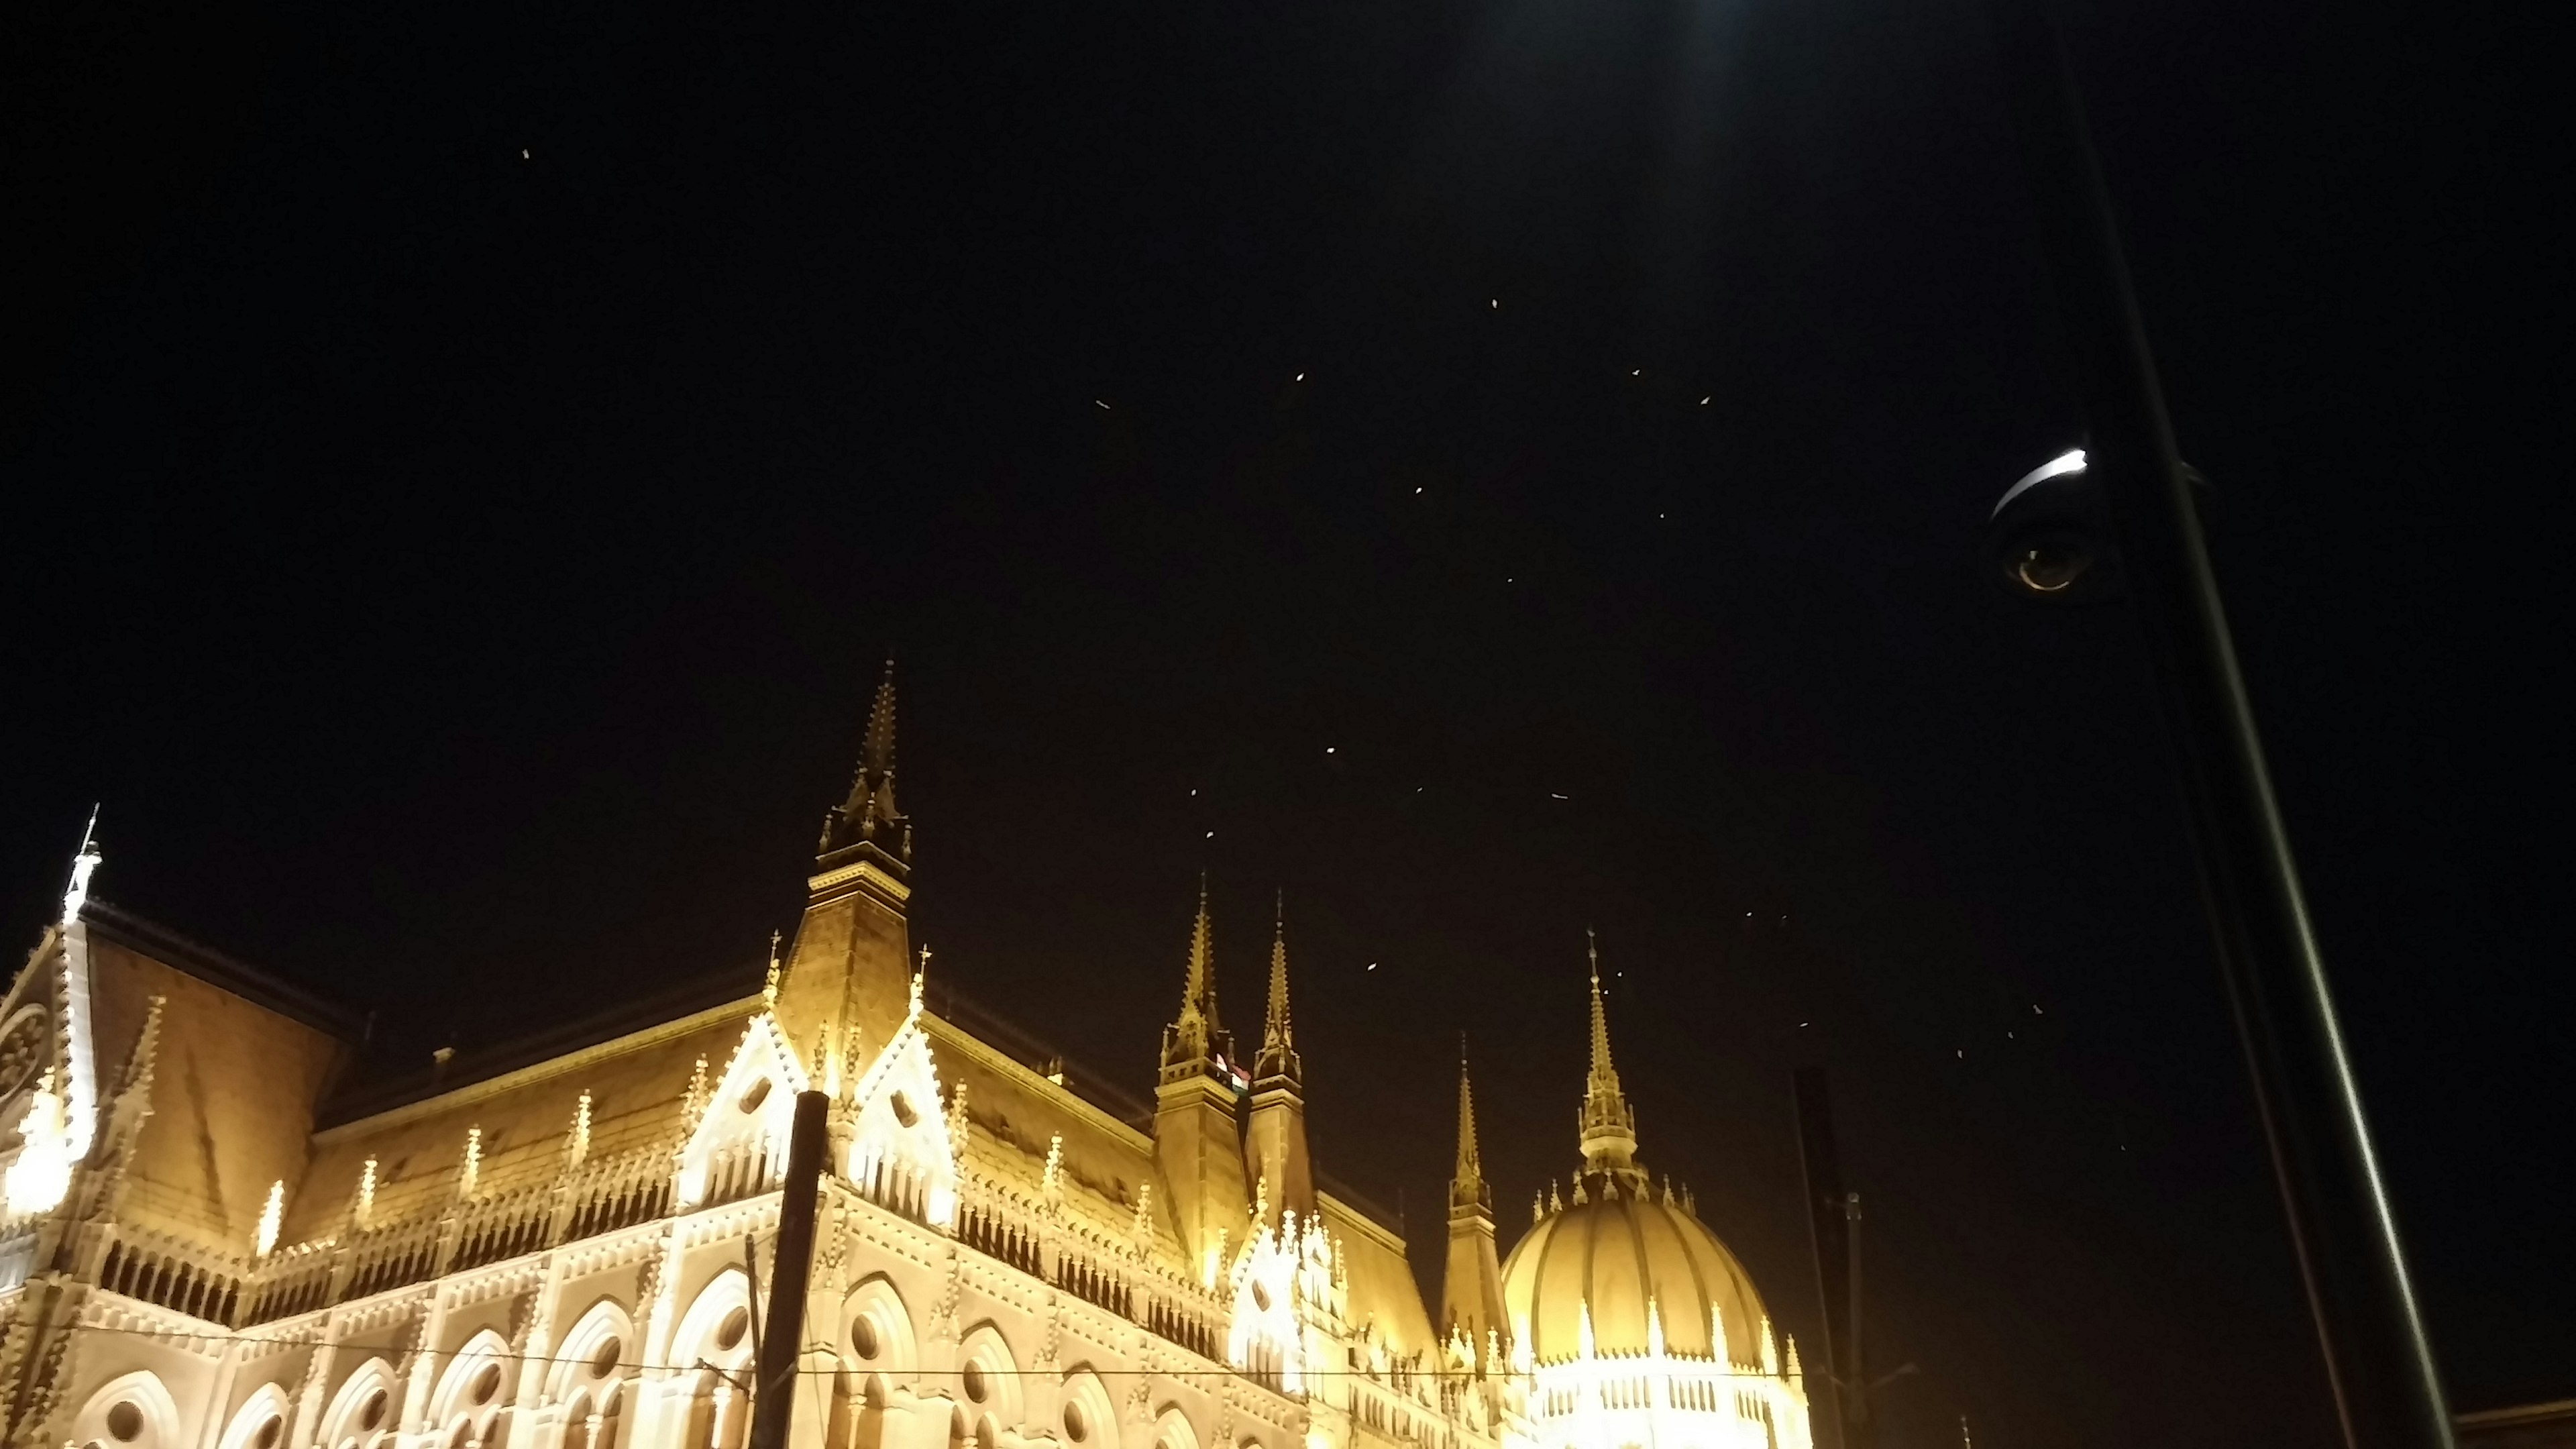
(1614, 1254)
(1619, 1247)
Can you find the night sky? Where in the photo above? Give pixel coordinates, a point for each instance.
(467, 463)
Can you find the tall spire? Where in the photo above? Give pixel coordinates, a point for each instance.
(1197, 1037)
(1278, 1060)
(869, 816)
(1609, 1126)
(1471, 1290)
(1467, 1180)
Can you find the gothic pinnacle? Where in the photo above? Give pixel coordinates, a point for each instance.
(1467, 1187)
(1470, 1165)
(1278, 1058)
(1196, 1036)
(870, 811)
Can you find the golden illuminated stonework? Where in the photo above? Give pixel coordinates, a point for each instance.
(550, 1253)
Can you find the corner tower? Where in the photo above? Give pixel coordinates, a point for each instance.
(1198, 1141)
(1274, 1145)
(848, 978)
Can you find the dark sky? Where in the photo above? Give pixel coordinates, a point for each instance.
(467, 461)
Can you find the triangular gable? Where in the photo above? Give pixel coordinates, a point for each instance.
(754, 1101)
(900, 1144)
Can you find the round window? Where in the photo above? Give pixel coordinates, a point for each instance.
(735, 1325)
(269, 1433)
(125, 1421)
(486, 1383)
(1077, 1425)
(863, 1336)
(976, 1388)
(1260, 1296)
(604, 1362)
(903, 1109)
(758, 1094)
(371, 1414)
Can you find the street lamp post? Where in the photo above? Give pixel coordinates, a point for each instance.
(2378, 1361)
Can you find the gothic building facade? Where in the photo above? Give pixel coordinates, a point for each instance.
(207, 1243)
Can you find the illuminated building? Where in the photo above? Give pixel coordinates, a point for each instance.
(207, 1243)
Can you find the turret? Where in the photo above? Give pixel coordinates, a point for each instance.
(847, 983)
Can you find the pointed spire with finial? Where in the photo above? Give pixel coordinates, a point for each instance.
(1278, 1060)
(869, 816)
(1467, 1186)
(1197, 1036)
(1609, 1126)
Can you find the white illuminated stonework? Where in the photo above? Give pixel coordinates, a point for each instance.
(255, 1251)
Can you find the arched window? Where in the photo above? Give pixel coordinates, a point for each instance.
(837, 1423)
(607, 1428)
(472, 1402)
(869, 1432)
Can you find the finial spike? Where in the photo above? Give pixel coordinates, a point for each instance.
(84, 865)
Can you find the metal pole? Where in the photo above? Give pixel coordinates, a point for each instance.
(1858, 1433)
(2378, 1362)
(773, 1397)
(1829, 1226)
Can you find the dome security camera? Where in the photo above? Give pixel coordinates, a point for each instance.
(2049, 537)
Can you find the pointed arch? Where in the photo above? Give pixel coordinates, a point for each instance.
(154, 1421)
(876, 1328)
(1089, 1417)
(260, 1423)
(988, 1374)
(714, 1340)
(471, 1405)
(1173, 1430)
(599, 1349)
(709, 1323)
(365, 1406)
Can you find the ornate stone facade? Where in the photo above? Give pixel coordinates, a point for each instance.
(207, 1244)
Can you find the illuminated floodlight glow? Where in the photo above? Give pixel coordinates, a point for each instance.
(43, 1171)
(2070, 461)
(270, 1217)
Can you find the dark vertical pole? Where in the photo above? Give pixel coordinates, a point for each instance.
(1858, 1433)
(1837, 1287)
(2378, 1362)
(782, 1337)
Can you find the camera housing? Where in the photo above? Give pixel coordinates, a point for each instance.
(2049, 537)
